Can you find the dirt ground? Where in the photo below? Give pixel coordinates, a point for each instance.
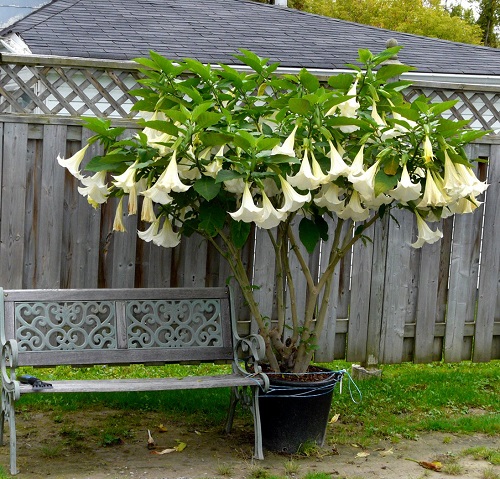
(73, 448)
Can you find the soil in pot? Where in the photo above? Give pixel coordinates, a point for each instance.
(296, 409)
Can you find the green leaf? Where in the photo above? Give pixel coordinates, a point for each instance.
(438, 108)
(239, 232)
(207, 187)
(226, 175)
(244, 140)
(299, 105)
(197, 67)
(364, 55)
(342, 81)
(211, 218)
(210, 138)
(393, 70)
(309, 234)
(191, 93)
(252, 60)
(108, 162)
(310, 82)
(266, 143)
(322, 225)
(199, 109)
(176, 115)
(207, 119)
(384, 182)
(98, 125)
(163, 126)
(161, 62)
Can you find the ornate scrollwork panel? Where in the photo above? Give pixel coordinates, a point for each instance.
(66, 326)
(179, 323)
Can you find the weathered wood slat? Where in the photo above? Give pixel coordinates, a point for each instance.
(12, 230)
(145, 384)
(489, 283)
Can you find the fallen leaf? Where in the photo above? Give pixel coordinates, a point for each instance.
(162, 428)
(355, 445)
(386, 453)
(197, 432)
(362, 454)
(151, 441)
(180, 447)
(165, 451)
(334, 419)
(433, 466)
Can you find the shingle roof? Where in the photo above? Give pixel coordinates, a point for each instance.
(213, 30)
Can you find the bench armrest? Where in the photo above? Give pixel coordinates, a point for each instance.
(252, 349)
(8, 365)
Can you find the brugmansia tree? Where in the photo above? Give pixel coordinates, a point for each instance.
(221, 151)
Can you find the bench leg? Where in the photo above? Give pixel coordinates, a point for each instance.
(249, 397)
(9, 414)
(232, 408)
(258, 451)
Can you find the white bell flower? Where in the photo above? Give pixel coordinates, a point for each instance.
(147, 211)
(434, 195)
(338, 167)
(472, 183)
(425, 234)
(95, 188)
(126, 180)
(354, 210)
(72, 164)
(406, 190)
(287, 147)
(167, 237)
(307, 178)
(151, 232)
(293, 200)
(269, 217)
(328, 198)
(118, 221)
(364, 182)
(247, 212)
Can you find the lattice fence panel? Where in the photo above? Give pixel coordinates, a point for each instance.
(482, 109)
(68, 91)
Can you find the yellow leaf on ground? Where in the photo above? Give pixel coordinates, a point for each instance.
(162, 428)
(334, 418)
(362, 454)
(180, 447)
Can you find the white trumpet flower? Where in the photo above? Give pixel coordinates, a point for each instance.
(95, 188)
(147, 211)
(247, 212)
(150, 233)
(167, 237)
(118, 221)
(126, 180)
(293, 200)
(364, 182)
(287, 147)
(328, 198)
(72, 164)
(269, 217)
(169, 180)
(406, 190)
(354, 210)
(307, 178)
(428, 153)
(472, 183)
(338, 167)
(433, 195)
(425, 234)
(358, 162)
(453, 183)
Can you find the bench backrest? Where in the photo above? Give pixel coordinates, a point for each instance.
(117, 326)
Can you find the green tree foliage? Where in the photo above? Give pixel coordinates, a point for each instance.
(489, 20)
(420, 17)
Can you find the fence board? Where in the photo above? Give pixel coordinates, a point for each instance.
(51, 202)
(12, 231)
(397, 286)
(490, 266)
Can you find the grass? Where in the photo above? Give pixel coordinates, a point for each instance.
(408, 400)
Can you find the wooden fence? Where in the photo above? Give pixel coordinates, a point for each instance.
(391, 303)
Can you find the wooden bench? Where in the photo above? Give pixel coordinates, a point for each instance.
(85, 327)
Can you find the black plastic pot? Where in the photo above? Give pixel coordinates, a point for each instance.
(294, 413)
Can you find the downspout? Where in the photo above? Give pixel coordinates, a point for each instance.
(281, 3)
